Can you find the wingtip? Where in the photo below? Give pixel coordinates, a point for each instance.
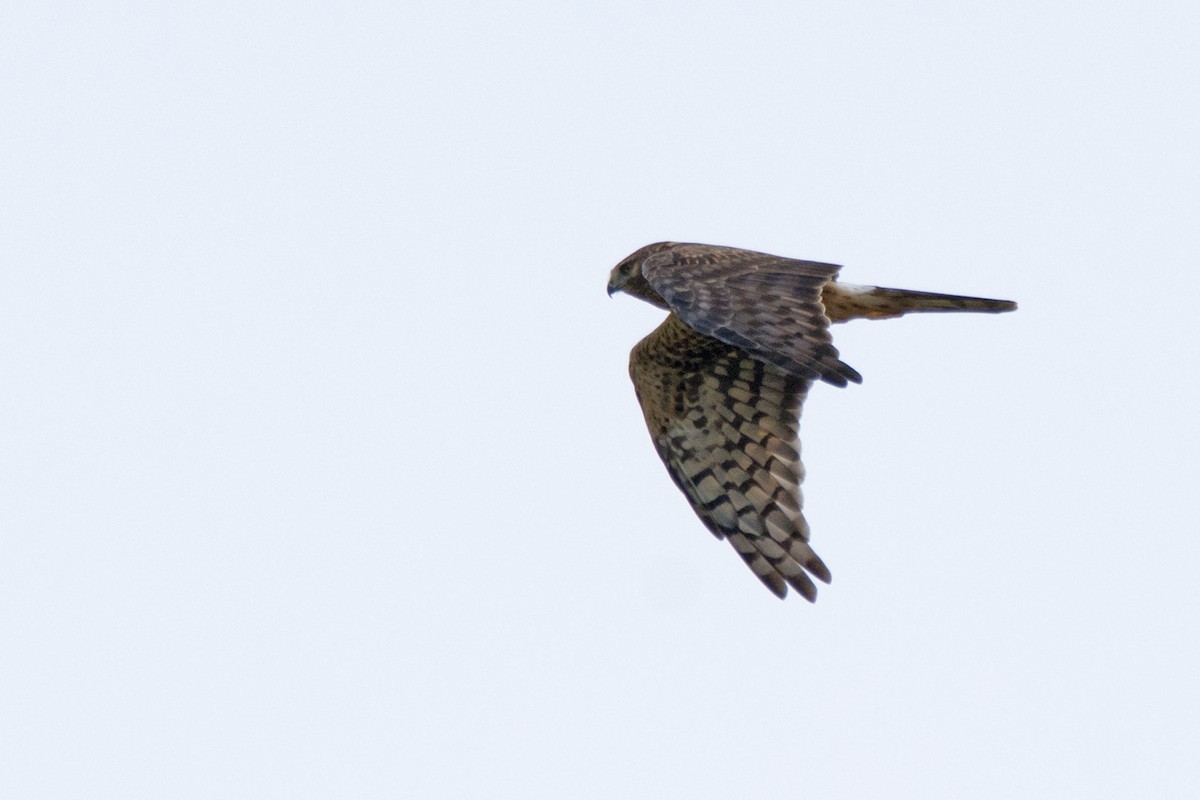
(841, 375)
(804, 587)
(816, 567)
(809, 592)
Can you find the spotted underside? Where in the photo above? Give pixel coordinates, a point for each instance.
(727, 427)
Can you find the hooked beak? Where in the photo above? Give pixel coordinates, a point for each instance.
(616, 282)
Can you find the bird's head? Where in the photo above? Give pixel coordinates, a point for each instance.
(627, 276)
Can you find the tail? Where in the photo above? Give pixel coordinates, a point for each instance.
(845, 301)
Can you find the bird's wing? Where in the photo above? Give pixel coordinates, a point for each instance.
(727, 427)
(766, 305)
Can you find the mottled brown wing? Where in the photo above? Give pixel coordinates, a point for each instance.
(726, 425)
(766, 305)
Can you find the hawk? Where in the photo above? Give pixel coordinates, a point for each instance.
(722, 379)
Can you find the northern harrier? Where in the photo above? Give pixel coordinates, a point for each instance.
(722, 379)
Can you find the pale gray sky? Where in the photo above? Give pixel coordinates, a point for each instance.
(321, 474)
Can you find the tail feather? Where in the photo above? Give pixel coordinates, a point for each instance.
(845, 301)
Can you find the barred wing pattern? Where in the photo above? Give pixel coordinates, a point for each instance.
(727, 427)
(766, 305)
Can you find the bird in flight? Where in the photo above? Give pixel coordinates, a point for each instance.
(721, 382)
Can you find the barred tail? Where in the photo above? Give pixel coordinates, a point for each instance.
(845, 301)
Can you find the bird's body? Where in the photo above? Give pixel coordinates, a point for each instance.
(722, 379)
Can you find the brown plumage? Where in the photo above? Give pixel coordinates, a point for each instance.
(722, 379)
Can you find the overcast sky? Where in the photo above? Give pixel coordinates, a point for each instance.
(321, 474)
